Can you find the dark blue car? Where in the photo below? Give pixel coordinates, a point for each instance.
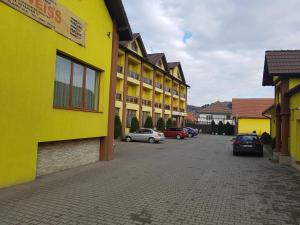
(191, 131)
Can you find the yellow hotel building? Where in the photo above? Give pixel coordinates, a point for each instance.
(148, 86)
(55, 84)
(282, 71)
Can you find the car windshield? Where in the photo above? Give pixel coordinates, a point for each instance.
(247, 138)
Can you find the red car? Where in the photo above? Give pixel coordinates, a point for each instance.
(177, 133)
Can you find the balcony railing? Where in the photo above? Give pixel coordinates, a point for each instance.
(158, 85)
(175, 92)
(119, 96)
(120, 69)
(146, 102)
(148, 81)
(167, 89)
(132, 99)
(175, 109)
(158, 105)
(167, 107)
(182, 96)
(134, 75)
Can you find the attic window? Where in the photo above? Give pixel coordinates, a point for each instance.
(134, 46)
(159, 63)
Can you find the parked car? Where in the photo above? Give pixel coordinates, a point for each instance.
(191, 131)
(145, 135)
(247, 143)
(177, 133)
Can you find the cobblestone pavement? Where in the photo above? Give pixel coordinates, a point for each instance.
(195, 181)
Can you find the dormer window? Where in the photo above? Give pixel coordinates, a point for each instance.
(134, 46)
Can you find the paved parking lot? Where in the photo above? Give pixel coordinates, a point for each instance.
(194, 181)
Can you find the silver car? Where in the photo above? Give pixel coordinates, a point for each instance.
(145, 135)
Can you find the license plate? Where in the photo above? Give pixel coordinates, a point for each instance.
(248, 146)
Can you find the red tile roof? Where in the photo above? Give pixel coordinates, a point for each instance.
(250, 108)
(217, 108)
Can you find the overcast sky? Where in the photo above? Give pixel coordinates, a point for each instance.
(220, 43)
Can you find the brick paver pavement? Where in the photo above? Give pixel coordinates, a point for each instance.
(195, 181)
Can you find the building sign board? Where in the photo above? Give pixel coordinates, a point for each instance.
(52, 15)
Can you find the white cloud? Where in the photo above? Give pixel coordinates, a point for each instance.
(225, 56)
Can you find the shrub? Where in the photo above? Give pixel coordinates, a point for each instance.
(160, 124)
(221, 128)
(213, 127)
(134, 125)
(266, 138)
(169, 123)
(118, 127)
(228, 129)
(149, 123)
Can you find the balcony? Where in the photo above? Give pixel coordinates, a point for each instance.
(132, 99)
(120, 69)
(167, 89)
(158, 85)
(146, 102)
(182, 96)
(175, 92)
(119, 96)
(175, 109)
(133, 75)
(148, 81)
(182, 110)
(167, 107)
(158, 105)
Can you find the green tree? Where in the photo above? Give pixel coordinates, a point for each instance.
(148, 123)
(213, 127)
(134, 125)
(220, 128)
(169, 123)
(228, 129)
(161, 124)
(118, 127)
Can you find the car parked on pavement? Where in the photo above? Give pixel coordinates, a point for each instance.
(177, 133)
(145, 135)
(247, 143)
(191, 132)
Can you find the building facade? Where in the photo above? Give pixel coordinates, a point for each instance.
(217, 112)
(282, 71)
(248, 115)
(148, 86)
(58, 64)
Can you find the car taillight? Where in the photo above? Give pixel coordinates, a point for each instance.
(237, 143)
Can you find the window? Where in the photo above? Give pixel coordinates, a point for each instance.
(157, 116)
(145, 115)
(129, 115)
(134, 46)
(117, 111)
(76, 86)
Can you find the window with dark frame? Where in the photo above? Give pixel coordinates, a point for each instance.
(76, 85)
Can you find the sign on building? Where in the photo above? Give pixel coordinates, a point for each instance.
(52, 15)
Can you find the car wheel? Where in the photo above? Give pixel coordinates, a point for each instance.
(151, 140)
(178, 137)
(128, 139)
(190, 135)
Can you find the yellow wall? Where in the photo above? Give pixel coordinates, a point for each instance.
(294, 138)
(27, 61)
(250, 125)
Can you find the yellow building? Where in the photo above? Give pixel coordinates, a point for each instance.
(282, 71)
(148, 86)
(58, 61)
(248, 115)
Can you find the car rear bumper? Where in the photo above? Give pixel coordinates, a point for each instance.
(248, 150)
